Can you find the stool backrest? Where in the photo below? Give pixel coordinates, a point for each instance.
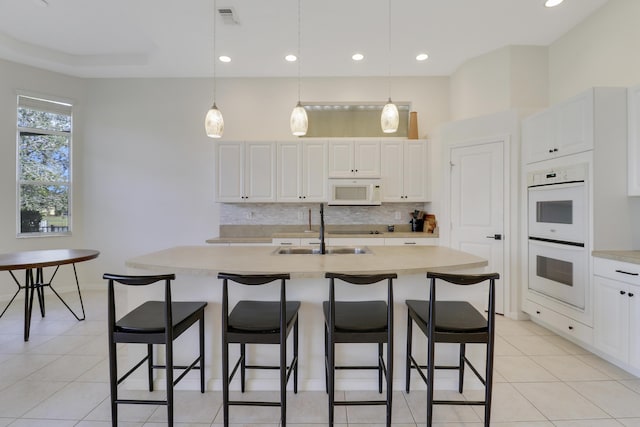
(139, 281)
(463, 280)
(254, 280)
(360, 279)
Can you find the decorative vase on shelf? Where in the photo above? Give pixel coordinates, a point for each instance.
(413, 125)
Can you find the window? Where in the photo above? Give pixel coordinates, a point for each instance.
(44, 166)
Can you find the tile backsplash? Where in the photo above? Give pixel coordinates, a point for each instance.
(297, 214)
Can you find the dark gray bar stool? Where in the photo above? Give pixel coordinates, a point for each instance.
(453, 322)
(359, 322)
(153, 322)
(258, 322)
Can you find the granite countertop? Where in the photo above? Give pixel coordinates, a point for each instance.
(211, 259)
(624, 256)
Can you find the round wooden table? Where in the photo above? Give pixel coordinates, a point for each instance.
(35, 284)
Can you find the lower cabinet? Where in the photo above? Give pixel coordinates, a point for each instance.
(562, 324)
(617, 310)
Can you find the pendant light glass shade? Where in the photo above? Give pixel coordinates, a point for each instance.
(390, 118)
(299, 121)
(214, 123)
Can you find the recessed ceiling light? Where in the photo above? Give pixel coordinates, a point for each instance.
(422, 57)
(224, 58)
(291, 58)
(357, 57)
(552, 3)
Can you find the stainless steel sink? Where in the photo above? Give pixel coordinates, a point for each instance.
(332, 250)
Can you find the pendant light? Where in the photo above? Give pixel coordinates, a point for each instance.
(213, 122)
(299, 122)
(390, 118)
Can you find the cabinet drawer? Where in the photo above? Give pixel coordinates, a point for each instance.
(569, 327)
(279, 241)
(617, 270)
(410, 241)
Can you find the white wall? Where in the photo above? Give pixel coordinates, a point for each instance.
(510, 77)
(600, 51)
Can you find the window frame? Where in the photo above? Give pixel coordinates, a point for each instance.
(66, 106)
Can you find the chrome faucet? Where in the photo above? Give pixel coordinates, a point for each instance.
(322, 246)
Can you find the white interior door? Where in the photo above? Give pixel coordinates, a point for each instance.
(478, 205)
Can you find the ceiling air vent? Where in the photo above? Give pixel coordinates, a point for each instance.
(228, 15)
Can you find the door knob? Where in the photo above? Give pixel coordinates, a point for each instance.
(495, 237)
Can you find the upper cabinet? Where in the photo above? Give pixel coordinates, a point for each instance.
(246, 171)
(302, 171)
(404, 171)
(565, 128)
(354, 159)
(633, 149)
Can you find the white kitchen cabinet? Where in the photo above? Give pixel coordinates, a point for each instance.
(355, 241)
(411, 241)
(354, 159)
(246, 172)
(617, 310)
(565, 326)
(633, 144)
(566, 128)
(302, 171)
(404, 171)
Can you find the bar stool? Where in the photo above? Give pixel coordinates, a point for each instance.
(359, 322)
(258, 322)
(453, 322)
(153, 322)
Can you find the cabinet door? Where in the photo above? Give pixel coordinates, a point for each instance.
(611, 317)
(260, 172)
(289, 172)
(634, 325)
(415, 171)
(575, 124)
(633, 152)
(538, 136)
(314, 171)
(392, 171)
(230, 168)
(367, 159)
(341, 159)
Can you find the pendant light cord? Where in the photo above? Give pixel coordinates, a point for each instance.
(298, 51)
(389, 48)
(215, 11)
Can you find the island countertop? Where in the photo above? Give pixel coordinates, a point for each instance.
(211, 259)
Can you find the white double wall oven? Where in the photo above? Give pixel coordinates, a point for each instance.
(557, 227)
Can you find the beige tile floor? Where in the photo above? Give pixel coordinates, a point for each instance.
(60, 379)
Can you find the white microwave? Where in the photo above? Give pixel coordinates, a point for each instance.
(349, 192)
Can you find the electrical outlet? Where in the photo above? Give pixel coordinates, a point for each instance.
(300, 215)
(249, 215)
(398, 216)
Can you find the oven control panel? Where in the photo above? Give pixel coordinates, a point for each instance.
(558, 175)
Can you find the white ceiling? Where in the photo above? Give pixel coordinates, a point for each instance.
(174, 38)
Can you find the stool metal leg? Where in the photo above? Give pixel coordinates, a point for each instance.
(201, 354)
(150, 365)
(331, 375)
(243, 365)
(169, 375)
(430, 380)
(408, 363)
(380, 367)
(295, 357)
(461, 369)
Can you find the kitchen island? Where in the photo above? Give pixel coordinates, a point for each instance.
(196, 268)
